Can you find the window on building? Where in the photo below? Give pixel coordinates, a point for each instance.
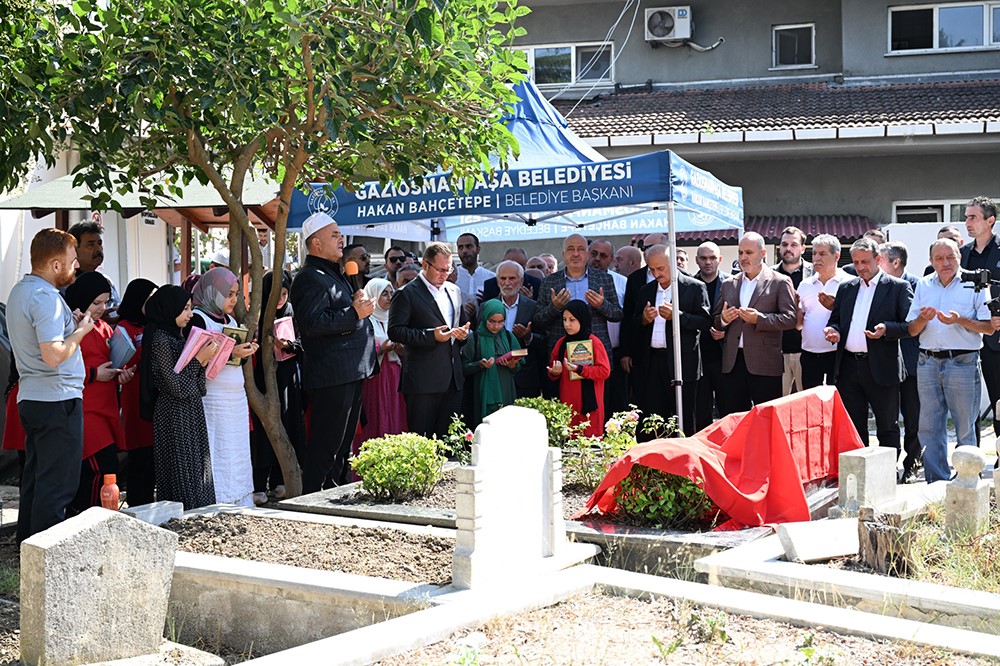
(942, 212)
(944, 27)
(568, 64)
(793, 46)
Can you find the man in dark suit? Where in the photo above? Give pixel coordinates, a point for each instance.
(631, 307)
(577, 282)
(708, 258)
(984, 252)
(338, 344)
(753, 310)
(520, 310)
(892, 259)
(654, 369)
(866, 324)
(530, 287)
(427, 317)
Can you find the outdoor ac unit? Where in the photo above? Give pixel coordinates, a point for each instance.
(668, 24)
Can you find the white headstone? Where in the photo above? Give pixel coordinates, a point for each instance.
(867, 477)
(967, 498)
(94, 588)
(509, 502)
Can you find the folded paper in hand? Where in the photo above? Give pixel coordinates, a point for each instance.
(122, 349)
(197, 339)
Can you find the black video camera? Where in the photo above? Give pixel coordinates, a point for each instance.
(980, 280)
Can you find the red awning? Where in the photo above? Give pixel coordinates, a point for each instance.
(847, 228)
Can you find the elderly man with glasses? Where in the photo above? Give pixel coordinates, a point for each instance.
(428, 318)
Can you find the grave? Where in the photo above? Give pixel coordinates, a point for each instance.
(967, 498)
(94, 588)
(867, 479)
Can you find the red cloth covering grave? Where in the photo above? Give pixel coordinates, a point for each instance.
(754, 464)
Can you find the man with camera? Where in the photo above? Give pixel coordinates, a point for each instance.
(984, 253)
(951, 320)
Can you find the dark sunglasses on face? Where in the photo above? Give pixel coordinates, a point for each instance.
(397, 260)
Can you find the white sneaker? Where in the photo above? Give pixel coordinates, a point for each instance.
(279, 492)
(259, 498)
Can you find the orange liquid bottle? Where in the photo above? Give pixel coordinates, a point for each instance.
(109, 492)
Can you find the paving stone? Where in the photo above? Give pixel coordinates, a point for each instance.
(156, 513)
(94, 588)
(819, 540)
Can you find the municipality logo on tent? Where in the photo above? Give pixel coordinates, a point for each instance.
(323, 200)
(701, 220)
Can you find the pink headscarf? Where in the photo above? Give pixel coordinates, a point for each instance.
(212, 290)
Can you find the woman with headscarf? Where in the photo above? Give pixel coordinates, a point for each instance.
(384, 409)
(172, 400)
(102, 423)
(483, 358)
(138, 444)
(227, 413)
(266, 471)
(581, 383)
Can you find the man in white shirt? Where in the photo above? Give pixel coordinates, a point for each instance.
(816, 297)
(470, 276)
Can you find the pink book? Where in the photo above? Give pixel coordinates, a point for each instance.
(221, 357)
(197, 338)
(283, 330)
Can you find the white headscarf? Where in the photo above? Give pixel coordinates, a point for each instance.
(373, 290)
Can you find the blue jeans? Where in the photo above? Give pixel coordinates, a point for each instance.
(947, 387)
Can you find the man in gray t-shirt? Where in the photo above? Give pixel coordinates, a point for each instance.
(45, 338)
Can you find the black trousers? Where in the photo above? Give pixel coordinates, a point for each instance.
(710, 387)
(92, 472)
(53, 449)
(743, 390)
(859, 391)
(656, 395)
(909, 404)
(616, 390)
(989, 361)
(429, 414)
(333, 420)
(817, 369)
(140, 474)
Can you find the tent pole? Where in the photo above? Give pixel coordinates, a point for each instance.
(675, 323)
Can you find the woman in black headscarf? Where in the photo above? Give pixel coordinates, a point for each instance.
(173, 400)
(580, 364)
(141, 478)
(285, 345)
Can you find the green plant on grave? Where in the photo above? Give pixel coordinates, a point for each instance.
(458, 441)
(658, 427)
(654, 498)
(666, 650)
(558, 418)
(587, 459)
(398, 467)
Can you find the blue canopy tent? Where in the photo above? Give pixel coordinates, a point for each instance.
(558, 184)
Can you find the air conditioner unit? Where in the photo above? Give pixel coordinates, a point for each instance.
(668, 24)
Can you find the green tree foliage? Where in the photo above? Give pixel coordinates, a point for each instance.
(156, 93)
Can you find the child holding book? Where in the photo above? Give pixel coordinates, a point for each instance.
(173, 401)
(580, 364)
(488, 361)
(227, 413)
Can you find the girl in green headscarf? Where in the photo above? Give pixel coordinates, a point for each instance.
(483, 355)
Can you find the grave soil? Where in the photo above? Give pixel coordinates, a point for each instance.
(602, 629)
(381, 552)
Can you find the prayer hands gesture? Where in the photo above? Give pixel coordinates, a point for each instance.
(666, 311)
(594, 298)
(522, 332)
(244, 350)
(648, 314)
(486, 363)
(525, 291)
(363, 306)
(561, 299)
(442, 334)
(460, 333)
(749, 315)
(555, 369)
(827, 300)
(877, 333)
(927, 313)
(728, 314)
(951, 317)
(833, 335)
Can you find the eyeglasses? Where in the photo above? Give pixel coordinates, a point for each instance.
(442, 271)
(397, 260)
(365, 257)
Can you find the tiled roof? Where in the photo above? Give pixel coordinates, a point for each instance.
(847, 228)
(786, 107)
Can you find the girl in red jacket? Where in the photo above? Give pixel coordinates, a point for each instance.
(581, 384)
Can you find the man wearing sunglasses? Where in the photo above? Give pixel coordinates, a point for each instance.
(394, 260)
(357, 253)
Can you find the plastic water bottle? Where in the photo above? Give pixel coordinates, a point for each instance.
(109, 492)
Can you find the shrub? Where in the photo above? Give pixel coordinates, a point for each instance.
(587, 459)
(654, 498)
(458, 441)
(398, 467)
(558, 418)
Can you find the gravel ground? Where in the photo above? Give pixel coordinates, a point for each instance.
(381, 552)
(601, 629)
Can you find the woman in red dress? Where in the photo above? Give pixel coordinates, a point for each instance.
(585, 395)
(102, 423)
(13, 431)
(140, 478)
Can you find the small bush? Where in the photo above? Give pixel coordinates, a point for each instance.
(458, 441)
(558, 418)
(587, 459)
(656, 499)
(398, 467)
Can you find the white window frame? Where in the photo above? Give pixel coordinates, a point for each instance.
(529, 51)
(946, 205)
(775, 67)
(988, 43)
